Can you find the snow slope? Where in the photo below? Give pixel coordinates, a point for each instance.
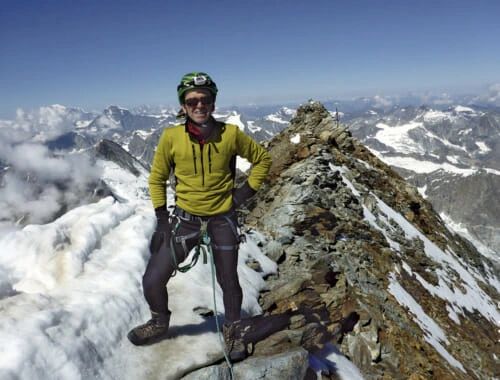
(70, 291)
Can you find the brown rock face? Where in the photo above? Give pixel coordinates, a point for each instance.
(367, 265)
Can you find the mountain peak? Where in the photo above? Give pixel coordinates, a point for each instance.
(116, 112)
(331, 208)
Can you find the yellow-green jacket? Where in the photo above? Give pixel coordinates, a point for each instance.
(204, 173)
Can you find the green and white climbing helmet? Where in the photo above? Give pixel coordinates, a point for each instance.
(195, 80)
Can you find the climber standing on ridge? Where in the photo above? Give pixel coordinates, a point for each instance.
(202, 155)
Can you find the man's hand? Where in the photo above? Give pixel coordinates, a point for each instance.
(242, 194)
(162, 228)
(162, 219)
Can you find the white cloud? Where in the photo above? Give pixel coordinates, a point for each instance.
(36, 158)
(491, 96)
(494, 94)
(34, 187)
(41, 125)
(382, 102)
(37, 187)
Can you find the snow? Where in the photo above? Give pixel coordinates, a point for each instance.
(423, 190)
(469, 296)
(483, 148)
(295, 139)
(235, 119)
(435, 116)
(106, 121)
(397, 137)
(70, 291)
(422, 166)
(243, 164)
(289, 111)
(433, 333)
(82, 124)
(464, 232)
(252, 127)
(343, 170)
(115, 177)
(445, 141)
(281, 116)
(492, 171)
(473, 299)
(336, 362)
(463, 109)
(465, 132)
(276, 119)
(144, 134)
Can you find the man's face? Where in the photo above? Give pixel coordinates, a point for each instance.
(198, 105)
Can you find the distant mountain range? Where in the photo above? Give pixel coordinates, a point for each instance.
(449, 151)
(347, 271)
(452, 155)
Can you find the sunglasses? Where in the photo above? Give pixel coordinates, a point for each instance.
(193, 102)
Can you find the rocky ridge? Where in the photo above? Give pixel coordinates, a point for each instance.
(366, 267)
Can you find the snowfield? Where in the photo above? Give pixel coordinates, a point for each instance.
(71, 290)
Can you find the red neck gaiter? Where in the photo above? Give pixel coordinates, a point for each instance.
(200, 135)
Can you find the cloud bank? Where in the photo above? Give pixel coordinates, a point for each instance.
(35, 183)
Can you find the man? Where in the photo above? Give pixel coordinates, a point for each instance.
(202, 155)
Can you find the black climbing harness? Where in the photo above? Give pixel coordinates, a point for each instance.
(204, 245)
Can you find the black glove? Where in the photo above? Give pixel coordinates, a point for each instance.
(162, 228)
(242, 194)
(162, 219)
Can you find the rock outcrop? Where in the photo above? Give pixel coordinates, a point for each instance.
(365, 266)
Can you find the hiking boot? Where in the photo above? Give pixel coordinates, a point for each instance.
(235, 345)
(152, 331)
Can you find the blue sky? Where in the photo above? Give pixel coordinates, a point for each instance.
(94, 53)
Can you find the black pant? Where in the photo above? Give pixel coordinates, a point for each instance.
(224, 240)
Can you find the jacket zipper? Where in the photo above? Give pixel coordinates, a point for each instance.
(202, 161)
(202, 166)
(194, 159)
(209, 159)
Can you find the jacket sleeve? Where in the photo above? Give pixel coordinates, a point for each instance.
(160, 171)
(259, 158)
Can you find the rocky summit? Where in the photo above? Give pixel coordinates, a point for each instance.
(366, 268)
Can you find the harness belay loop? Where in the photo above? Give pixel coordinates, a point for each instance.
(203, 246)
